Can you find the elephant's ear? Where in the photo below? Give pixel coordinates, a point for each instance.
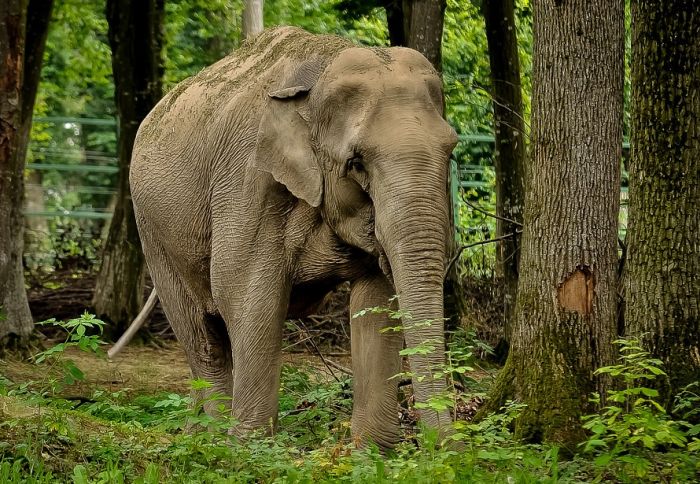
(284, 146)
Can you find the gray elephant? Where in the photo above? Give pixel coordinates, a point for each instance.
(294, 164)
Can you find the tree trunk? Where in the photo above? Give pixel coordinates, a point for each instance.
(252, 18)
(38, 17)
(394, 20)
(661, 281)
(135, 37)
(566, 304)
(23, 29)
(509, 156)
(423, 22)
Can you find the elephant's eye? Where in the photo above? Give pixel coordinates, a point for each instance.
(355, 164)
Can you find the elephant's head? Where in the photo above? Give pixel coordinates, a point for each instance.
(363, 138)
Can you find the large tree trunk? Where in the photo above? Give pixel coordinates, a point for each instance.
(135, 37)
(662, 281)
(566, 304)
(509, 156)
(252, 18)
(23, 29)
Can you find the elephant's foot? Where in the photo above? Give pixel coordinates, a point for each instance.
(384, 434)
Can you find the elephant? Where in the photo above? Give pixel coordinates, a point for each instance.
(294, 164)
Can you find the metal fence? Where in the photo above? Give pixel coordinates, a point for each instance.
(77, 168)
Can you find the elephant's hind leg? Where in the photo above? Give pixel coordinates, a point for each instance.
(203, 336)
(375, 360)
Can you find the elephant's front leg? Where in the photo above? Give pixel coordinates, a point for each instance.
(256, 340)
(375, 359)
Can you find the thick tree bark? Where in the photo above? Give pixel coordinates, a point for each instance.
(423, 23)
(662, 281)
(23, 30)
(567, 292)
(509, 157)
(252, 18)
(135, 37)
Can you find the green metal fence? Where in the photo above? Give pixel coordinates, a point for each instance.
(471, 166)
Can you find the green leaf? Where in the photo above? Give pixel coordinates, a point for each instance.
(649, 392)
(80, 475)
(74, 371)
(152, 475)
(603, 460)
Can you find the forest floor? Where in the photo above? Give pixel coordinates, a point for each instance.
(142, 369)
(78, 417)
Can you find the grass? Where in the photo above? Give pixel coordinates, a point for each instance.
(133, 421)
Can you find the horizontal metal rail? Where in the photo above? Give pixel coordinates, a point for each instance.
(84, 214)
(68, 119)
(74, 168)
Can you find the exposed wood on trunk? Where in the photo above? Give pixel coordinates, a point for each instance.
(509, 156)
(23, 30)
(135, 37)
(662, 270)
(252, 18)
(569, 244)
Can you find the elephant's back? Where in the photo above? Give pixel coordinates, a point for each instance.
(216, 112)
(250, 71)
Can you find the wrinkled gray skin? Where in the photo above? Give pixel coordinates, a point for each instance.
(294, 164)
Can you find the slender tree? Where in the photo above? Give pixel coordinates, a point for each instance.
(509, 156)
(23, 29)
(423, 24)
(135, 37)
(252, 18)
(662, 269)
(565, 316)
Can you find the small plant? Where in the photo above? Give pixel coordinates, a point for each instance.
(633, 424)
(77, 337)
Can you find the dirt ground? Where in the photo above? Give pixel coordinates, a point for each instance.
(143, 369)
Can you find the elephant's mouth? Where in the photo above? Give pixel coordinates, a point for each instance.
(384, 264)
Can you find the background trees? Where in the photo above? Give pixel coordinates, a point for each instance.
(510, 136)
(252, 18)
(661, 280)
(135, 37)
(23, 27)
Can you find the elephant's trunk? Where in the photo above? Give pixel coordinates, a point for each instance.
(415, 249)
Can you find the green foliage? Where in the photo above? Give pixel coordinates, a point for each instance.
(77, 336)
(122, 436)
(633, 424)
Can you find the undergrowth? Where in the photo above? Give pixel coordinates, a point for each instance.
(123, 436)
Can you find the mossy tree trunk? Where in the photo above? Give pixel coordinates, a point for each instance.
(567, 292)
(662, 270)
(509, 157)
(135, 37)
(23, 30)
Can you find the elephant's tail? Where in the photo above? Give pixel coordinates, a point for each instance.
(134, 326)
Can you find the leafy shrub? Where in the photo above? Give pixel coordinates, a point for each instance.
(633, 426)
